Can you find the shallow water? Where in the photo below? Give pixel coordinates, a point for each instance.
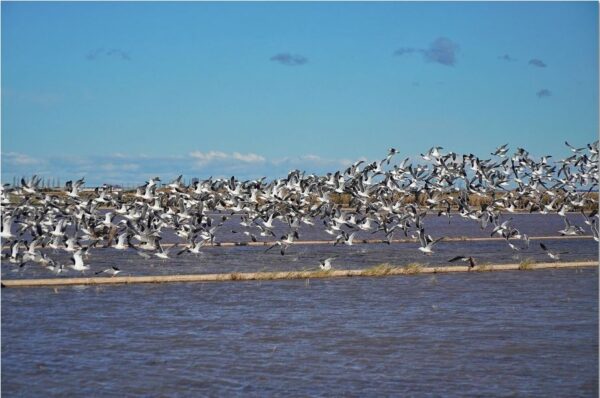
(478, 334)
(306, 257)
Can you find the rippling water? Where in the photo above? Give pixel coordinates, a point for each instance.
(479, 334)
(306, 257)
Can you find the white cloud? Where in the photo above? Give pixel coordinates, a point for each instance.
(20, 159)
(203, 158)
(207, 157)
(131, 170)
(248, 157)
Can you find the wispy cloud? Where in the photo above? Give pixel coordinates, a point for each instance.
(129, 170)
(506, 58)
(203, 158)
(111, 52)
(442, 51)
(19, 159)
(544, 93)
(537, 62)
(289, 59)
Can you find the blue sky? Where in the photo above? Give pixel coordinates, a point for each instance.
(119, 92)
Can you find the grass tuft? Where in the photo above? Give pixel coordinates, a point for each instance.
(378, 270)
(321, 273)
(526, 263)
(413, 268)
(235, 276)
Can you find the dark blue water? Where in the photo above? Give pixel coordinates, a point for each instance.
(478, 334)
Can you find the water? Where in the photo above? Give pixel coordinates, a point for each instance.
(306, 257)
(478, 334)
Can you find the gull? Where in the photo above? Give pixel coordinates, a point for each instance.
(573, 149)
(570, 230)
(164, 254)
(112, 271)
(193, 248)
(285, 242)
(70, 244)
(77, 260)
(59, 230)
(391, 152)
(74, 188)
(123, 242)
(502, 228)
(31, 185)
(6, 226)
(501, 151)
(470, 259)
(378, 200)
(345, 238)
(57, 269)
(325, 264)
(552, 254)
(427, 242)
(14, 257)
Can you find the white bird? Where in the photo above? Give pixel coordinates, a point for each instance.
(427, 242)
(77, 259)
(325, 264)
(552, 254)
(112, 271)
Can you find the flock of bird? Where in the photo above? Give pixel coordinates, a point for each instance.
(394, 198)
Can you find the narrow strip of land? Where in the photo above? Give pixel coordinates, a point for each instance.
(377, 271)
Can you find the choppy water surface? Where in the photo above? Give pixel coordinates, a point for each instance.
(306, 257)
(478, 334)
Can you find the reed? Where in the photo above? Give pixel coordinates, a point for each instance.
(527, 264)
(413, 268)
(379, 270)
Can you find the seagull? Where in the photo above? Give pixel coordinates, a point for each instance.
(77, 260)
(57, 269)
(552, 254)
(6, 226)
(570, 230)
(325, 264)
(345, 238)
(112, 271)
(164, 254)
(573, 149)
(342, 202)
(427, 242)
(285, 242)
(470, 259)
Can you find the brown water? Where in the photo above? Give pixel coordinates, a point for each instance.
(479, 334)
